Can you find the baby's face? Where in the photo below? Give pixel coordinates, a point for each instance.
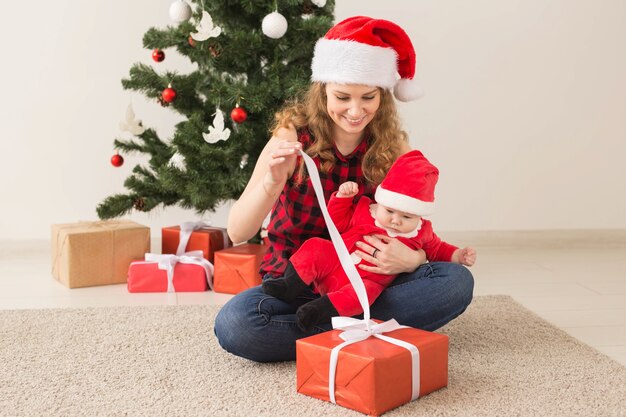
(396, 220)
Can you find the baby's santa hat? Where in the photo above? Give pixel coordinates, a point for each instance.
(409, 185)
(374, 52)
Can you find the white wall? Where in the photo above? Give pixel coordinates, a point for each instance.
(525, 112)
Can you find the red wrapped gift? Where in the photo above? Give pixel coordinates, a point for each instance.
(373, 374)
(237, 268)
(191, 236)
(170, 273)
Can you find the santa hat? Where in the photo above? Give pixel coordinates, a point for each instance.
(409, 185)
(374, 52)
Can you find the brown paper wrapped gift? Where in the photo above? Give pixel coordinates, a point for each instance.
(209, 240)
(237, 268)
(85, 254)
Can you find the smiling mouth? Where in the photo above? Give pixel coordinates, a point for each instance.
(354, 121)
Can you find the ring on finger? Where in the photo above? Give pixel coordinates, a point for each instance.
(374, 253)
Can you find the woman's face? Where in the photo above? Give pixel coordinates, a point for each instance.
(352, 106)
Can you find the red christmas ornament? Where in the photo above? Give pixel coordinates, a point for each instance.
(191, 42)
(215, 50)
(158, 55)
(238, 114)
(117, 160)
(169, 94)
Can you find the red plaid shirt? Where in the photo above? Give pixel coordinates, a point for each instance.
(296, 216)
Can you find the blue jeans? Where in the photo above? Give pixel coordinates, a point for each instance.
(262, 328)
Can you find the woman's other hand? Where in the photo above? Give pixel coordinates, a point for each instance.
(388, 255)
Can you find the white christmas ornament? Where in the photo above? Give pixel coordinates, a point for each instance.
(217, 132)
(319, 3)
(274, 25)
(235, 78)
(180, 11)
(178, 161)
(131, 124)
(206, 29)
(244, 161)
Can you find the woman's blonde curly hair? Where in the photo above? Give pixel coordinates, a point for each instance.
(385, 137)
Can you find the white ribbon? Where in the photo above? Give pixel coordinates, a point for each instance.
(356, 330)
(168, 263)
(186, 229)
(340, 246)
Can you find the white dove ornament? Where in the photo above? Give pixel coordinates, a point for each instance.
(178, 161)
(217, 132)
(206, 29)
(131, 124)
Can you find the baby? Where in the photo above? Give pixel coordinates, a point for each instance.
(405, 195)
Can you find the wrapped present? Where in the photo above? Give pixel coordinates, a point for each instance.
(371, 371)
(85, 254)
(237, 268)
(192, 236)
(171, 273)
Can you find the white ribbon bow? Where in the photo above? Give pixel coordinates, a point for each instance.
(168, 263)
(356, 330)
(186, 229)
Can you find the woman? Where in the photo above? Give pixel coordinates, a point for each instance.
(348, 124)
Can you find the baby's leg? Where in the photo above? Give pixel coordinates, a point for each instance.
(312, 263)
(286, 288)
(320, 310)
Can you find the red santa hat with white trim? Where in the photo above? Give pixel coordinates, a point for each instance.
(409, 185)
(373, 52)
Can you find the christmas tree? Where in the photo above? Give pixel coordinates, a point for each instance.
(251, 57)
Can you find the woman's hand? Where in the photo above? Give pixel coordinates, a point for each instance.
(390, 256)
(282, 162)
(276, 162)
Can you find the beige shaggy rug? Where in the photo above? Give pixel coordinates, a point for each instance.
(165, 361)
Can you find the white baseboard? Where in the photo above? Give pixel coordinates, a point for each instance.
(612, 238)
(539, 238)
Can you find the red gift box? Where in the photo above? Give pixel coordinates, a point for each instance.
(147, 276)
(208, 239)
(237, 268)
(373, 375)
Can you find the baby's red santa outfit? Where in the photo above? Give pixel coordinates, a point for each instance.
(409, 187)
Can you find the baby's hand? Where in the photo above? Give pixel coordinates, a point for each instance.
(348, 189)
(465, 256)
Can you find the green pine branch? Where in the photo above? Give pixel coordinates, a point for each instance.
(168, 37)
